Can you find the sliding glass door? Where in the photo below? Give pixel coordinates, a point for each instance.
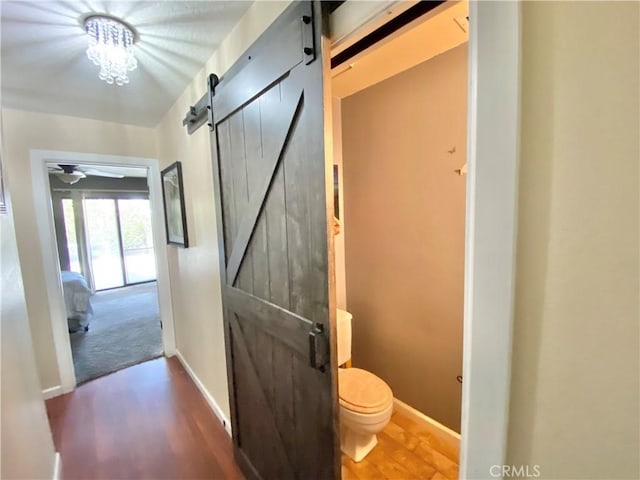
(119, 241)
(104, 243)
(137, 240)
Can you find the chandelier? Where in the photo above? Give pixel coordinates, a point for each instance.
(111, 48)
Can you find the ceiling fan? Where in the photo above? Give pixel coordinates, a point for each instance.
(72, 173)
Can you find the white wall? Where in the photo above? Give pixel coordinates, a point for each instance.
(24, 131)
(575, 380)
(26, 446)
(194, 271)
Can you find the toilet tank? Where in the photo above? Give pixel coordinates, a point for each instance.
(344, 336)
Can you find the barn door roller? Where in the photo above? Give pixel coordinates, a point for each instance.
(200, 113)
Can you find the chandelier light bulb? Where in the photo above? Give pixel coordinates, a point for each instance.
(111, 48)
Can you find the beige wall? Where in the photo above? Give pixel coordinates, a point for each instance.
(194, 272)
(27, 449)
(405, 209)
(24, 131)
(574, 405)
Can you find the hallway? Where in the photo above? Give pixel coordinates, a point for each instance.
(147, 421)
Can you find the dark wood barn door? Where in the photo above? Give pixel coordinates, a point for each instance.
(271, 183)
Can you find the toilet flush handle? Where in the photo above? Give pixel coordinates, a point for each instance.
(318, 347)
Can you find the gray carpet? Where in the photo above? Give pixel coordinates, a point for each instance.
(124, 330)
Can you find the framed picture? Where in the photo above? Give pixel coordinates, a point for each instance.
(175, 217)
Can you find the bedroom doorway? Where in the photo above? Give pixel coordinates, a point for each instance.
(104, 239)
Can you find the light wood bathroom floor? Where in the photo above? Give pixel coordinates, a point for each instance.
(405, 450)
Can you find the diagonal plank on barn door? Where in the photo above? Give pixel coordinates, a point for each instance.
(287, 327)
(290, 108)
(261, 396)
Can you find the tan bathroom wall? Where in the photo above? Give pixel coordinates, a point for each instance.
(405, 211)
(575, 376)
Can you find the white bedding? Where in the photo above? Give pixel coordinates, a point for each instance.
(77, 299)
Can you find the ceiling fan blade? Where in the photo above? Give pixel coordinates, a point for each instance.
(100, 173)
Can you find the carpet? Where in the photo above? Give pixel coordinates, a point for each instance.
(125, 330)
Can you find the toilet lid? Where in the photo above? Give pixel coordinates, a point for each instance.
(363, 392)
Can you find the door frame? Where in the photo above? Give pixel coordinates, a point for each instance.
(493, 128)
(491, 232)
(51, 264)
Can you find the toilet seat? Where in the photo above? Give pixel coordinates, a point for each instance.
(362, 392)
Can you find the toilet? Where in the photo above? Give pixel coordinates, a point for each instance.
(366, 401)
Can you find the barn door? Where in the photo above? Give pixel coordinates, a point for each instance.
(271, 182)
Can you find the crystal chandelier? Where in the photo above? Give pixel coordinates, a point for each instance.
(111, 48)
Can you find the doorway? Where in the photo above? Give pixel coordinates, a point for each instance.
(399, 114)
(42, 192)
(492, 150)
(104, 237)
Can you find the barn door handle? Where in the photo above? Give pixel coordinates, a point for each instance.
(318, 347)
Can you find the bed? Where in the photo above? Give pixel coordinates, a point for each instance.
(77, 300)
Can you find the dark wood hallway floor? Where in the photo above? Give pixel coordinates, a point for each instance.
(148, 421)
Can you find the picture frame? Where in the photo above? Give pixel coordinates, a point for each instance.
(175, 217)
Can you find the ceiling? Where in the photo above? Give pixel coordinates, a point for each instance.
(432, 34)
(45, 67)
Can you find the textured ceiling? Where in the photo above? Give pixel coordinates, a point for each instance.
(45, 67)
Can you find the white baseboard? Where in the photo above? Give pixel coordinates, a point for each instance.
(57, 467)
(48, 393)
(205, 393)
(449, 437)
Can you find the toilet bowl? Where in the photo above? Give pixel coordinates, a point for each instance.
(366, 405)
